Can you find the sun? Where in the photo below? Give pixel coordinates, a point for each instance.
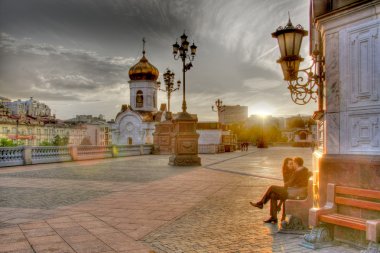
(261, 109)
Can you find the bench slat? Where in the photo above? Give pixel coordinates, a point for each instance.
(349, 218)
(357, 192)
(358, 203)
(342, 220)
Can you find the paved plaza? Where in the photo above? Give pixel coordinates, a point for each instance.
(141, 204)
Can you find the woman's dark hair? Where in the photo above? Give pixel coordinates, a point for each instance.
(286, 173)
(285, 163)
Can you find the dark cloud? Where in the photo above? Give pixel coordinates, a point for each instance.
(80, 51)
(55, 73)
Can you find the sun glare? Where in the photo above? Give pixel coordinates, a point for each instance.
(262, 109)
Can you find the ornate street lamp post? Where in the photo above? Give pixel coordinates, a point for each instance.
(308, 86)
(219, 107)
(182, 52)
(169, 85)
(184, 151)
(162, 135)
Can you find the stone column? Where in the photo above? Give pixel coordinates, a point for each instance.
(184, 141)
(73, 152)
(27, 155)
(162, 138)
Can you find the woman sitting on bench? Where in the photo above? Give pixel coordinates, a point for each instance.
(287, 172)
(274, 193)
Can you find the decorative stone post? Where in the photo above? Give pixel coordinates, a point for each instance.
(73, 152)
(184, 140)
(27, 155)
(162, 138)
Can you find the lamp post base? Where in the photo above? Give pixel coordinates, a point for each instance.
(184, 140)
(184, 160)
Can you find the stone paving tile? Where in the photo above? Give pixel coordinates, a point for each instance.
(103, 171)
(149, 205)
(229, 223)
(90, 247)
(23, 246)
(25, 197)
(57, 247)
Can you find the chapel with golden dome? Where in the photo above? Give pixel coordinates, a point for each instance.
(135, 123)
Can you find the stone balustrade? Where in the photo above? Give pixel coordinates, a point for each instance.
(93, 152)
(49, 154)
(11, 156)
(25, 155)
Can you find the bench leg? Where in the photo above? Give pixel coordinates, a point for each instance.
(292, 223)
(319, 237)
(373, 235)
(372, 248)
(373, 230)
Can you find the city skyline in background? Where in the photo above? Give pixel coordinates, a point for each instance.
(75, 56)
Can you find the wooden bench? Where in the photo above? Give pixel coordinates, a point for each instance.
(349, 196)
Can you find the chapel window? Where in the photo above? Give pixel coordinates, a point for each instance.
(139, 99)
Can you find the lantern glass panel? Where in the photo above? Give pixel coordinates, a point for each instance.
(289, 43)
(281, 44)
(193, 49)
(185, 45)
(297, 43)
(175, 48)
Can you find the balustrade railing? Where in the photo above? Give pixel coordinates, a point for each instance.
(94, 152)
(50, 154)
(11, 156)
(127, 150)
(24, 155)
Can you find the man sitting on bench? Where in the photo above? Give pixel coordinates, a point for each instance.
(299, 179)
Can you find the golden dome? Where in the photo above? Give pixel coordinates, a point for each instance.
(143, 70)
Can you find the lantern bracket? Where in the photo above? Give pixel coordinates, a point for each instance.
(307, 84)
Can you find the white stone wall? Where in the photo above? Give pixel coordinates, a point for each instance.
(129, 125)
(352, 88)
(210, 136)
(149, 89)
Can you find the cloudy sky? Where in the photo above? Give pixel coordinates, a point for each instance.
(75, 55)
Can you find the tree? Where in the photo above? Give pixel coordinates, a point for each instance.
(46, 143)
(4, 142)
(60, 141)
(57, 140)
(296, 122)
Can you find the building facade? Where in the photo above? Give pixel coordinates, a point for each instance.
(348, 35)
(31, 123)
(231, 114)
(98, 131)
(29, 107)
(34, 133)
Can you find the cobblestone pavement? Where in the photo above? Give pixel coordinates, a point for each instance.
(138, 204)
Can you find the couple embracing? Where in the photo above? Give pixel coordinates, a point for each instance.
(295, 175)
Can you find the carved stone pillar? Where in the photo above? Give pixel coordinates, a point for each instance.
(184, 141)
(162, 138)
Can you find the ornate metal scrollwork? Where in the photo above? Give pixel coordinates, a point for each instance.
(306, 84)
